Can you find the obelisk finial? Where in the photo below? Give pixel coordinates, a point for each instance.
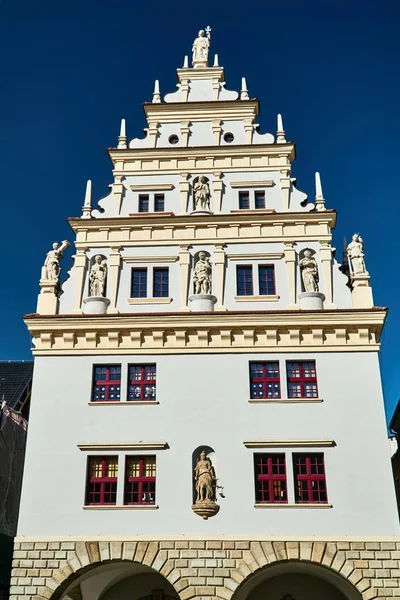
(319, 198)
(87, 206)
(122, 140)
(244, 94)
(280, 132)
(156, 93)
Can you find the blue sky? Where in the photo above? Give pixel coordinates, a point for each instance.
(71, 70)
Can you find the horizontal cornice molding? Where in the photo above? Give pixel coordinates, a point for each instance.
(256, 256)
(151, 187)
(120, 447)
(336, 330)
(149, 259)
(251, 184)
(289, 444)
(175, 112)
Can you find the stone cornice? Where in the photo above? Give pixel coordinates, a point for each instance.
(172, 112)
(192, 333)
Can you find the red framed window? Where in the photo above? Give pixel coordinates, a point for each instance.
(160, 282)
(270, 478)
(259, 199)
(140, 480)
(143, 203)
(139, 283)
(102, 475)
(309, 478)
(302, 379)
(265, 380)
(159, 203)
(142, 382)
(244, 200)
(266, 280)
(106, 383)
(244, 281)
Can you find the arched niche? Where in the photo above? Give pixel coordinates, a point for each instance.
(92, 261)
(211, 455)
(201, 193)
(196, 258)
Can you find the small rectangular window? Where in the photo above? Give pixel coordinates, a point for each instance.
(302, 380)
(102, 475)
(244, 280)
(144, 203)
(106, 383)
(244, 200)
(270, 478)
(265, 380)
(142, 382)
(159, 203)
(139, 283)
(309, 478)
(160, 282)
(266, 280)
(140, 480)
(259, 199)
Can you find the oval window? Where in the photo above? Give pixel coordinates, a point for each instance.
(229, 137)
(173, 139)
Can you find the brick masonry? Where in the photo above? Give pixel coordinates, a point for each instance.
(206, 569)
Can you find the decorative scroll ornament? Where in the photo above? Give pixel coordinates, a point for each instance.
(205, 484)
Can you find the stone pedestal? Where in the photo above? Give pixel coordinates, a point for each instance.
(95, 305)
(205, 508)
(201, 213)
(48, 298)
(361, 294)
(202, 302)
(311, 300)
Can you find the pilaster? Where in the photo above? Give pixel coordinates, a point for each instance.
(184, 187)
(325, 254)
(118, 191)
(218, 187)
(80, 269)
(184, 262)
(216, 128)
(185, 132)
(153, 133)
(114, 263)
(290, 260)
(219, 264)
(249, 129)
(285, 187)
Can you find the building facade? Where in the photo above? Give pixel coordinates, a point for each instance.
(206, 372)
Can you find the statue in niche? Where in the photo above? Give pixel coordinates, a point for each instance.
(98, 276)
(202, 275)
(356, 255)
(201, 46)
(205, 479)
(202, 193)
(309, 272)
(51, 268)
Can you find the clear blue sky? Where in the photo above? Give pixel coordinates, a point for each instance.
(70, 70)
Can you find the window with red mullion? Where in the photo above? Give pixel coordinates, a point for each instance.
(140, 482)
(142, 382)
(302, 379)
(265, 380)
(270, 478)
(106, 383)
(102, 478)
(310, 481)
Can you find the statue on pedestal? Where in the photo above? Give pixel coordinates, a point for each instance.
(356, 256)
(205, 486)
(98, 276)
(202, 194)
(51, 268)
(202, 275)
(201, 47)
(309, 272)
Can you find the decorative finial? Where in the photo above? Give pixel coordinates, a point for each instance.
(280, 132)
(186, 62)
(200, 49)
(216, 60)
(319, 198)
(122, 140)
(156, 93)
(87, 206)
(244, 94)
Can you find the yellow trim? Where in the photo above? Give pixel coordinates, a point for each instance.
(289, 444)
(302, 506)
(284, 400)
(270, 298)
(124, 403)
(127, 446)
(161, 300)
(252, 184)
(256, 256)
(151, 187)
(149, 259)
(127, 507)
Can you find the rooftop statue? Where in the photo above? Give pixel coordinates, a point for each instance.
(51, 268)
(200, 48)
(309, 272)
(356, 255)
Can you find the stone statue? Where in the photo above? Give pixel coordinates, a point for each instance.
(97, 276)
(200, 48)
(355, 255)
(202, 275)
(202, 194)
(309, 272)
(205, 479)
(51, 268)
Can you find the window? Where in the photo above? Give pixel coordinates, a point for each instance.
(159, 203)
(265, 380)
(244, 277)
(266, 280)
(173, 139)
(139, 283)
(143, 203)
(259, 199)
(229, 137)
(309, 477)
(160, 282)
(270, 478)
(244, 200)
(102, 480)
(106, 383)
(302, 380)
(140, 482)
(142, 382)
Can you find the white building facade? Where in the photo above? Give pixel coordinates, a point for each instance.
(205, 312)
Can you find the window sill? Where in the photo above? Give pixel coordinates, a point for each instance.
(124, 507)
(271, 298)
(123, 403)
(160, 300)
(277, 505)
(284, 400)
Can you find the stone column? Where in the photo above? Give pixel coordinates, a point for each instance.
(153, 133)
(114, 262)
(184, 187)
(285, 187)
(290, 260)
(118, 191)
(325, 254)
(219, 265)
(217, 186)
(216, 129)
(249, 129)
(184, 262)
(80, 262)
(185, 131)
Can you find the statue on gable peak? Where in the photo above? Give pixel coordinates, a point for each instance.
(201, 47)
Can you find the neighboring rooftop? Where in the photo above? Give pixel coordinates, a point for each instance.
(15, 376)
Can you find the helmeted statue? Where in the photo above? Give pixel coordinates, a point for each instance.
(205, 479)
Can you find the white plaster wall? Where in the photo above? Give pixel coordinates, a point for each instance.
(273, 196)
(200, 402)
(165, 130)
(130, 202)
(201, 134)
